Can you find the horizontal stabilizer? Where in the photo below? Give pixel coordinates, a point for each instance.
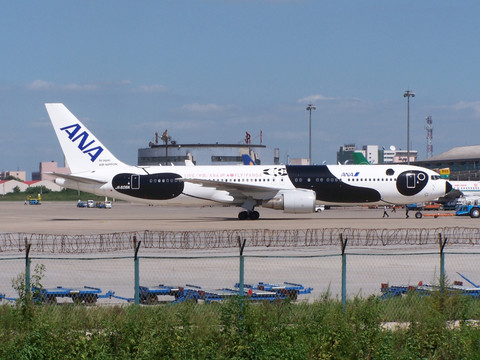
(82, 179)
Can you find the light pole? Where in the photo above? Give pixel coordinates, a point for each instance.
(408, 94)
(310, 107)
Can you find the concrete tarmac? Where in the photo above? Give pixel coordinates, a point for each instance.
(66, 218)
(314, 267)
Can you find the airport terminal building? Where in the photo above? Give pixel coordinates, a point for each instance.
(375, 155)
(205, 154)
(463, 162)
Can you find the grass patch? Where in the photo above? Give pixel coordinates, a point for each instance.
(239, 329)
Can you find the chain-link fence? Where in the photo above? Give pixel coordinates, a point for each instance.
(263, 265)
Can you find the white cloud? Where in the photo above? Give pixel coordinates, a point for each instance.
(77, 87)
(205, 108)
(472, 105)
(152, 88)
(314, 98)
(40, 85)
(344, 102)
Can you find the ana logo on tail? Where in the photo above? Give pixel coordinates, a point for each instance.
(86, 148)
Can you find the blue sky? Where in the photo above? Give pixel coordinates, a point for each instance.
(208, 71)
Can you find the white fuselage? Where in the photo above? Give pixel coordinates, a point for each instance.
(218, 184)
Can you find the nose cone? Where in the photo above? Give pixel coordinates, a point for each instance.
(448, 187)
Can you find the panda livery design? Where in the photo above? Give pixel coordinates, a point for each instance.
(291, 188)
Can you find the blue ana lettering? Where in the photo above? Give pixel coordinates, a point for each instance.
(83, 136)
(85, 147)
(348, 174)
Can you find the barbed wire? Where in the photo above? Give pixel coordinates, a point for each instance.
(217, 239)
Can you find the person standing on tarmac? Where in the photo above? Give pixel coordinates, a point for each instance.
(385, 213)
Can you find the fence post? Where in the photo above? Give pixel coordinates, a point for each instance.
(344, 272)
(27, 268)
(442, 260)
(137, 270)
(242, 266)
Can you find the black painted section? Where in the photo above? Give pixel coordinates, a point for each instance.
(327, 187)
(410, 183)
(162, 186)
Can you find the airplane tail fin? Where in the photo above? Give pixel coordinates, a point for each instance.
(82, 150)
(247, 160)
(359, 159)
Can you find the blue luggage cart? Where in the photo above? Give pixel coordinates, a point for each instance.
(284, 290)
(87, 294)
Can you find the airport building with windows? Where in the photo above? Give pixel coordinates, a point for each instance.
(462, 161)
(205, 154)
(375, 155)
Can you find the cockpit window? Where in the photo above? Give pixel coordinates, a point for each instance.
(435, 177)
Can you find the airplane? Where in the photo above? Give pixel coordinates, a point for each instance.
(467, 188)
(468, 191)
(291, 188)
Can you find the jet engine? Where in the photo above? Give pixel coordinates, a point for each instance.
(293, 201)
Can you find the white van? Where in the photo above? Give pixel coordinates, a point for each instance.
(90, 203)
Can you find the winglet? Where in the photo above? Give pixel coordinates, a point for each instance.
(82, 150)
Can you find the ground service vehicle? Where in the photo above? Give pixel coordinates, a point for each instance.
(34, 200)
(472, 210)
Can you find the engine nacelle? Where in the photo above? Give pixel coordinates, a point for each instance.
(293, 201)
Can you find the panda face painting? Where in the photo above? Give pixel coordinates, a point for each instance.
(411, 182)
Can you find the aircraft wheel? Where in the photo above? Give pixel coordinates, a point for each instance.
(418, 215)
(90, 299)
(151, 299)
(475, 213)
(243, 215)
(50, 300)
(254, 215)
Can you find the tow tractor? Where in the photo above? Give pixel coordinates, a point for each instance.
(472, 210)
(34, 200)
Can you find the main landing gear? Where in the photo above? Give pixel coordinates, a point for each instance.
(251, 215)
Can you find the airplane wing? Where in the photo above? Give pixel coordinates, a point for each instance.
(77, 178)
(238, 191)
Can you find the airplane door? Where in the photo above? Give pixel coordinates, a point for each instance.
(135, 183)
(410, 181)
